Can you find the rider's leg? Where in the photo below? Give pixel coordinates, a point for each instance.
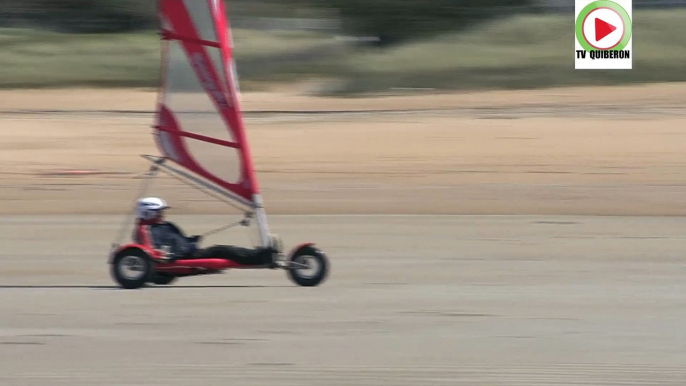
(244, 256)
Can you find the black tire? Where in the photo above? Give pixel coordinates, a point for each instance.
(308, 254)
(163, 279)
(136, 259)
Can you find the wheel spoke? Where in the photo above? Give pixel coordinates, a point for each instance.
(132, 267)
(305, 266)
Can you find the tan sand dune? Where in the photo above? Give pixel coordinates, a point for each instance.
(612, 151)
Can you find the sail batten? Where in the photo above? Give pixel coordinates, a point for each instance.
(199, 137)
(168, 35)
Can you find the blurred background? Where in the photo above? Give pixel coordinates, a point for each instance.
(348, 46)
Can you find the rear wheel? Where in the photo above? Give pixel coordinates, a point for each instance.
(308, 267)
(132, 268)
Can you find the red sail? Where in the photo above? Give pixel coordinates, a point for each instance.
(199, 124)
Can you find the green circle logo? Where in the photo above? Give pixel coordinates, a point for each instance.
(597, 5)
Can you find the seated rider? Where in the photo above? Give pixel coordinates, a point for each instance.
(159, 234)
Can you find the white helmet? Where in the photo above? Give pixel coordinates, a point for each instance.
(149, 207)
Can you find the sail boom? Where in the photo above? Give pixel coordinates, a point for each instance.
(160, 162)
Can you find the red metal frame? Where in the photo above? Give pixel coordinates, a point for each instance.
(194, 266)
(184, 267)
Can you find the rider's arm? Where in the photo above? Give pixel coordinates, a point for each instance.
(188, 239)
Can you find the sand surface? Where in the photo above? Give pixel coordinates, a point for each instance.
(544, 291)
(601, 151)
(418, 300)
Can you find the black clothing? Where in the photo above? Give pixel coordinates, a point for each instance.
(243, 256)
(183, 247)
(168, 234)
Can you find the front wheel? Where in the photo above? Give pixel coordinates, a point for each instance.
(308, 267)
(132, 268)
